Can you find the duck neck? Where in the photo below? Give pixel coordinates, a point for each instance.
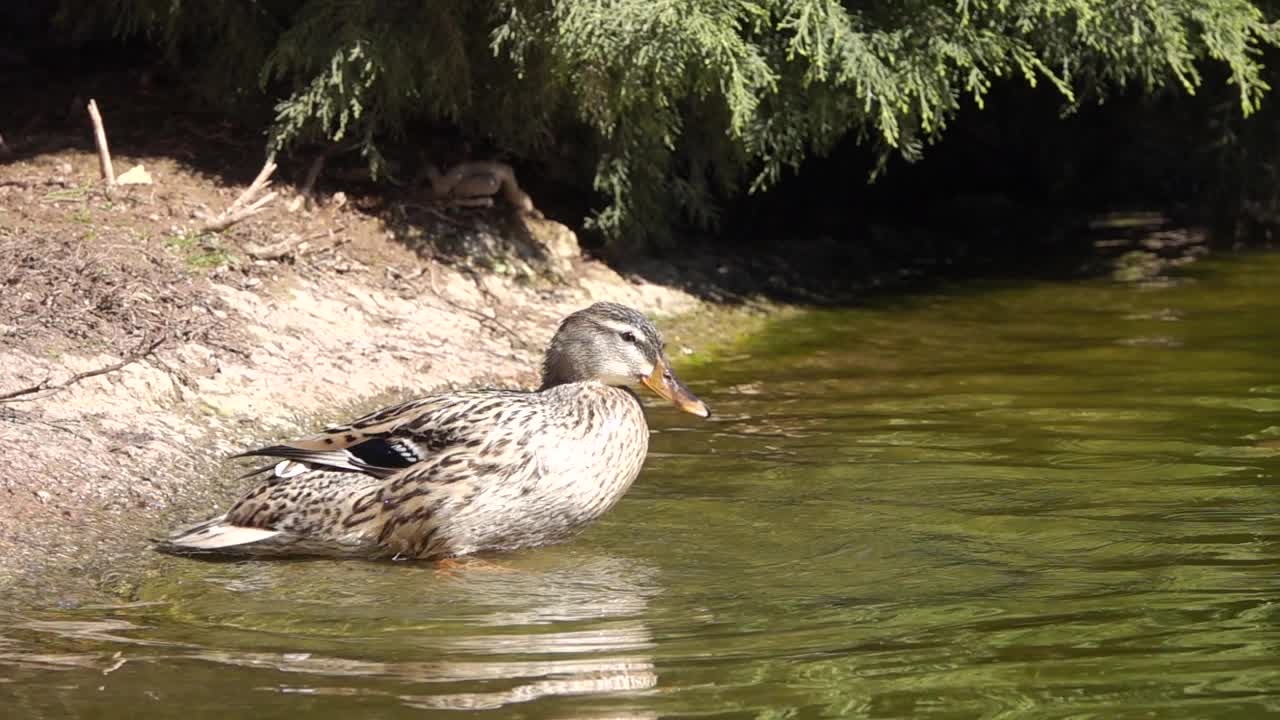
(561, 366)
(553, 376)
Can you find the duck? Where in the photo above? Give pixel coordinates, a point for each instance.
(463, 472)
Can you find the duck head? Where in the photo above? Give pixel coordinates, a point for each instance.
(615, 345)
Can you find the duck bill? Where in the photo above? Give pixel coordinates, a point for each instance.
(665, 383)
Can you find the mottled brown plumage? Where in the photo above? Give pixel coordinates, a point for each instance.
(461, 472)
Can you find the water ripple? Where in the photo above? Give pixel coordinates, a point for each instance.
(1050, 501)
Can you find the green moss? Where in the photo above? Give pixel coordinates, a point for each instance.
(80, 192)
(199, 251)
(704, 336)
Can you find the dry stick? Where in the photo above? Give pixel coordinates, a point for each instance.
(16, 395)
(100, 139)
(261, 182)
(231, 217)
(274, 251)
(239, 210)
(23, 420)
(280, 249)
(441, 216)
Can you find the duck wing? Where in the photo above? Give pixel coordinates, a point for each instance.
(385, 442)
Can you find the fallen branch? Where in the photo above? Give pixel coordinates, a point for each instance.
(100, 139)
(290, 245)
(18, 395)
(274, 251)
(244, 206)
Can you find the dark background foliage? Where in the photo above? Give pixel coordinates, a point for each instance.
(655, 122)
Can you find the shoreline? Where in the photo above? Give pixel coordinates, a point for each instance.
(135, 371)
(179, 349)
(127, 454)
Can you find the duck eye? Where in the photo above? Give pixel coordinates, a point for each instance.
(629, 336)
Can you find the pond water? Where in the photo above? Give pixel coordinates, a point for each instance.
(994, 499)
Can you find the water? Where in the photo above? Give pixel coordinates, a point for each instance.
(1042, 500)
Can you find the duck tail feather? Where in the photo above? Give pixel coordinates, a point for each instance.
(213, 535)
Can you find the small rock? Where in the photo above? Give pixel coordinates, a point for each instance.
(64, 168)
(136, 175)
(43, 495)
(553, 244)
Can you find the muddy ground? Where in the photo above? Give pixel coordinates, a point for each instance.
(137, 353)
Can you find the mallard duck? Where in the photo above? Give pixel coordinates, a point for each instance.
(463, 472)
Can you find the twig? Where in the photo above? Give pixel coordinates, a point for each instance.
(133, 248)
(274, 251)
(119, 663)
(512, 335)
(231, 217)
(238, 352)
(285, 247)
(334, 246)
(17, 418)
(441, 216)
(177, 377)
(28, 184)
(261, 182)
(100, 139)
(244, 206)
(17, 395)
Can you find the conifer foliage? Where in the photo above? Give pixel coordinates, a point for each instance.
(681, 103)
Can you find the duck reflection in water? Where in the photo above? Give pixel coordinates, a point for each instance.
(558, 623)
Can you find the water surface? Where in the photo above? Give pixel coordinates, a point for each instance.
(1038, 499)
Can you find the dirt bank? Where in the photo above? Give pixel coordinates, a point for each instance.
(136, 353)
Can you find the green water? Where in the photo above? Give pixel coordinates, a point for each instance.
(1038, 499)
